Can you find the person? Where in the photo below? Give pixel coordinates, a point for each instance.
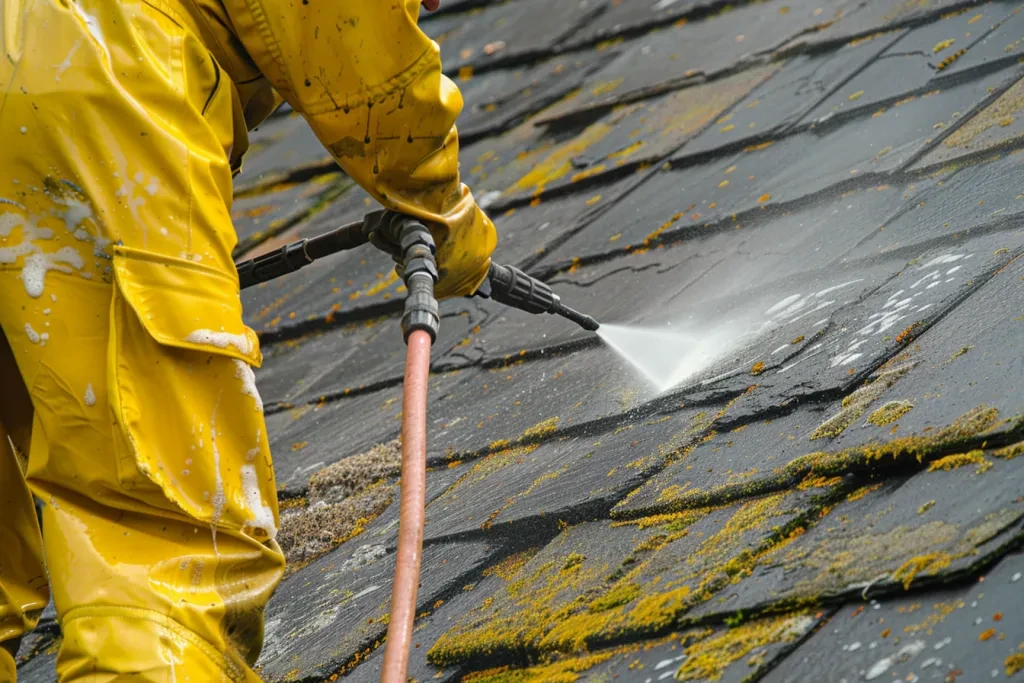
(129, 406)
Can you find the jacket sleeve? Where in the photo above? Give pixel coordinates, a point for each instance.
(369, 82)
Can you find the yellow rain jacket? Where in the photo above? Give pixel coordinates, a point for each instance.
(129, 406)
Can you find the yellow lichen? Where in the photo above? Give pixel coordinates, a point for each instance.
(942, 45)
(708, 659)
(952, 462)
(758, 368)
(890, 412)
(1014, 663)
(1010, 452)
(932, 564)
(542, 428)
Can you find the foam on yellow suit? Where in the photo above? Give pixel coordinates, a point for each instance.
(129, 406)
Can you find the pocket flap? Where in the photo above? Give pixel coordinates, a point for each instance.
(186, 304)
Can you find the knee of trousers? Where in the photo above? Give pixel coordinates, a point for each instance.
(108, 643)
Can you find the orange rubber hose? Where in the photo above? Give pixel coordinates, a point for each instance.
(411, 514)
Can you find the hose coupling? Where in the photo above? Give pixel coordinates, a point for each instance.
(419, 271)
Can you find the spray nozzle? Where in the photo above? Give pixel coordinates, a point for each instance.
(513, 287)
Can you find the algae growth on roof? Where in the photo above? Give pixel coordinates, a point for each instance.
(833, 189)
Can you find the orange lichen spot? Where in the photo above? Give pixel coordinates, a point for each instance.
(662, 228)
(594, 200)
(723, 183)
(299, 445)
(855, 96)
(726, 129)
(943, 45)
(907, 333)
(535, 202)
(575, 264)
(998, 616)
(758, 147)
(986, 634)
(763, 198)
(886, 633)
(976, 18)
(615, 237)
(465, 73)
(509, 212)
(797, 340)
(729, 170)
(758, 368)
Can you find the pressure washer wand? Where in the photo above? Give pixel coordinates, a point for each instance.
(505, 284)
(510, 286)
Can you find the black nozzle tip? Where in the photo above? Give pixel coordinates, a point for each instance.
(584, 321)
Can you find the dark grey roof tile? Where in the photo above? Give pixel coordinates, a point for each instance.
(997, 126)
(972, 633)
(1001, 45)
(565, 480)
(325, 616)
(509, 32)
(666, 59)
(908, 66)
(787, 96)
(889, 536)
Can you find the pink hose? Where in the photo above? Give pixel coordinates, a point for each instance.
(411, 514)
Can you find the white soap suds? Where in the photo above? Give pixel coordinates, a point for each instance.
(8, 222)
(248, 377)
(90, 395)
(33, 336)
(263, 516)
(221, 340)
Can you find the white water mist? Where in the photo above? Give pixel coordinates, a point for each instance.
(666, 357)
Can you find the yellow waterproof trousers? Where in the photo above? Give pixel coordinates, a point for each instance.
(128, 404)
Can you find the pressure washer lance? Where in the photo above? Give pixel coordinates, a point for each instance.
(505, 284)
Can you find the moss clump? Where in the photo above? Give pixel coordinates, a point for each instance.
(890, 412)
(344, 478)
(307, 533)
